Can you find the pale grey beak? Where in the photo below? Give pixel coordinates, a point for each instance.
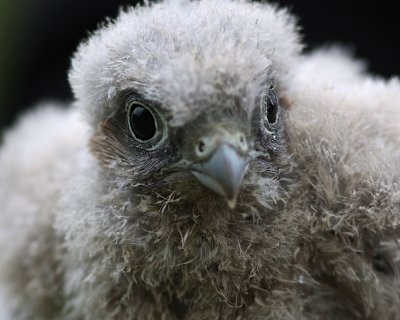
(223, 172)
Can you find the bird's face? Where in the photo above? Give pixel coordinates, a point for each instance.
(227, 149)
(185, 109)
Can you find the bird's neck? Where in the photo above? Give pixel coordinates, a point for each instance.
(168, 236)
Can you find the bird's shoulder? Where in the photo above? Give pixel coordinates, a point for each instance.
(341, 112)
(40, 153)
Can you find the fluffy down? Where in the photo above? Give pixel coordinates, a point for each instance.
(91, 231)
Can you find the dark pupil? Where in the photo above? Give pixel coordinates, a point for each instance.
(272, 107)
(142, 123)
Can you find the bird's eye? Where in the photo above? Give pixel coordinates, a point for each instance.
(142, 122)
(272, 106)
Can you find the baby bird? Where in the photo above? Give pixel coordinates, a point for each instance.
(207, 169)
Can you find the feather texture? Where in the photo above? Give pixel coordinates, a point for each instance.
(95, 225)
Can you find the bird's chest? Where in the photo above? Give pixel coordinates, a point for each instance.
(214, 263)
(228, 282)
(214, 291)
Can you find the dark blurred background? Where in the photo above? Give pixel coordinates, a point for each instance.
(37, 38)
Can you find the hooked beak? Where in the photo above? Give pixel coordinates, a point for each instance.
(223, 172)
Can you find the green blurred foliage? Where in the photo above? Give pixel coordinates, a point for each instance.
(13, 19)
(4, 51)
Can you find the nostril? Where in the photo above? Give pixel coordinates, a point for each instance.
(201, 146)
(242, 142)
(204, 147)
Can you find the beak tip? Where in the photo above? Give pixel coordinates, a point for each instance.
(231, 203)
(223, 173)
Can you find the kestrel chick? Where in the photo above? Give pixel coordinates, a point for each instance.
(207, 169)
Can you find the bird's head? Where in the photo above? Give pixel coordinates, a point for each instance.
(184, 99)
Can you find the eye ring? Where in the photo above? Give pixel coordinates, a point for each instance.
(145, 124)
